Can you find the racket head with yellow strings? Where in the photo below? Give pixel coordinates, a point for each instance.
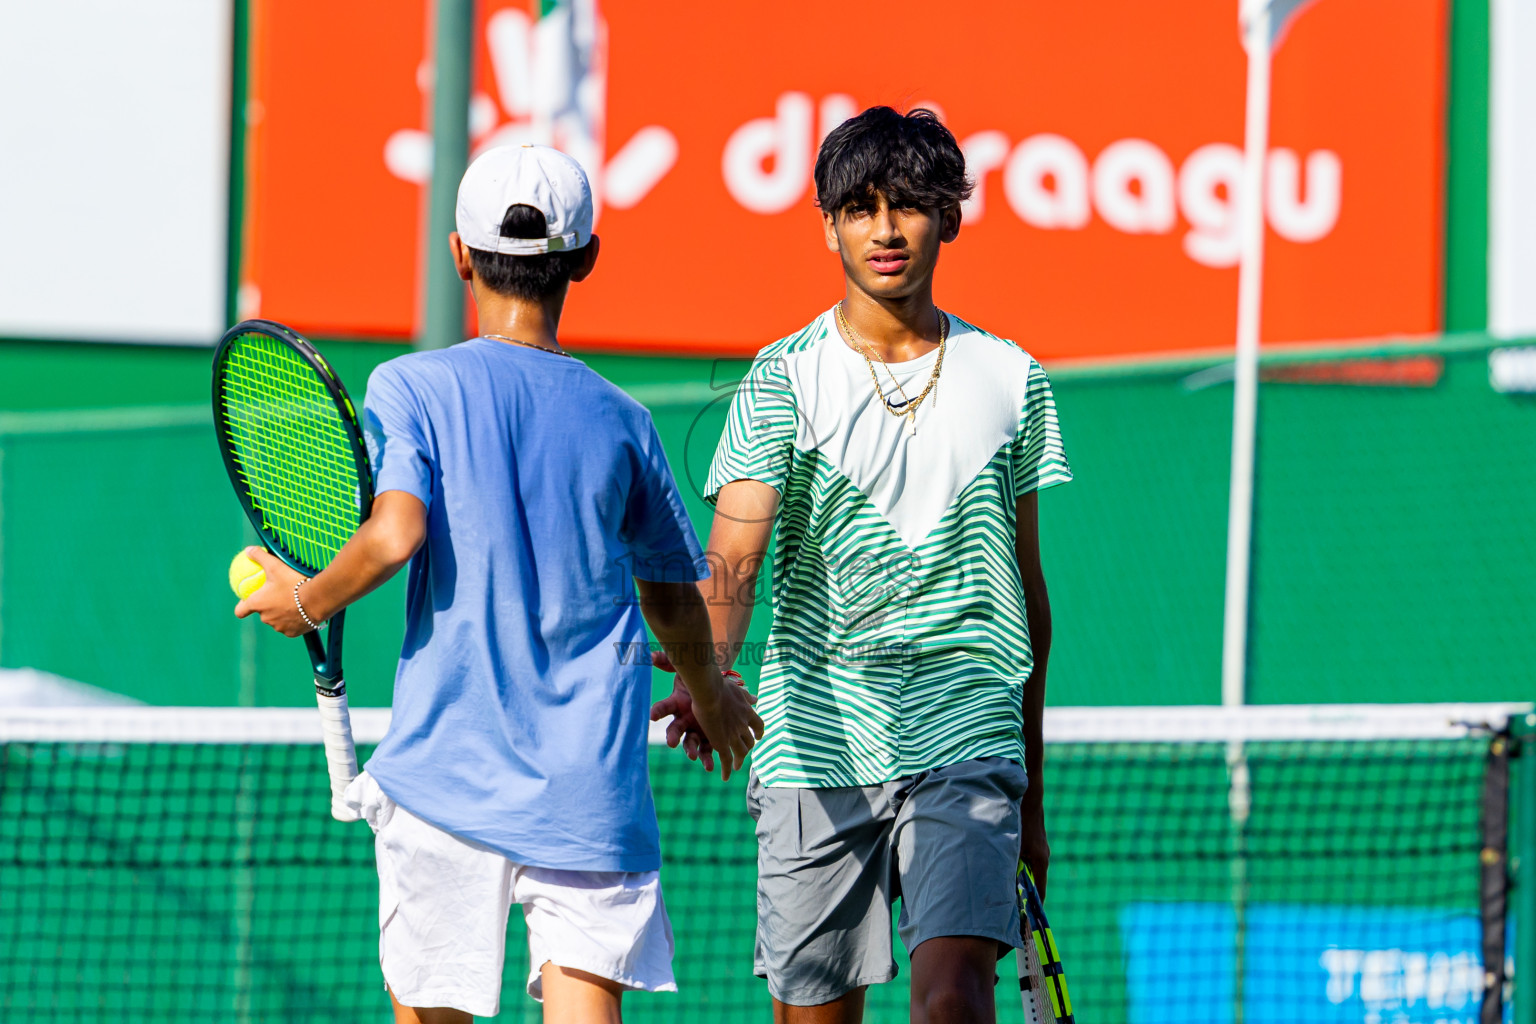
(294, 451)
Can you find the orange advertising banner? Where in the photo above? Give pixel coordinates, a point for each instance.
(1104, 137)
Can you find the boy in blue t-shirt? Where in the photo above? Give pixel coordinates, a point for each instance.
(532, 501)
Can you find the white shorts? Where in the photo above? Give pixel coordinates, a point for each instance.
(443, 906)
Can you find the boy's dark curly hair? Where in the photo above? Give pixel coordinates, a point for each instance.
(911, 159)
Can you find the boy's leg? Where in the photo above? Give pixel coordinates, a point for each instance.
(957, 850)
(847, 1010)
(952, 980)
(577, 997)
(592, 935)
(423, 1015)
(443, 905)
(823, 898)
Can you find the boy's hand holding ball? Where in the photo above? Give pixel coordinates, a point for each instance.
(265, 585)
(245, 576)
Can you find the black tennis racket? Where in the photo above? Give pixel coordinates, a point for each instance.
(295, 454)
(1042, 982)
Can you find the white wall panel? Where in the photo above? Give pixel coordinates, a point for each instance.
(114, 177)
(1512, 169)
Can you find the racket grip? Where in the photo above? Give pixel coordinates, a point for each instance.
(340, 752)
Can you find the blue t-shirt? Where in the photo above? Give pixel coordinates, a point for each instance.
(521, 707)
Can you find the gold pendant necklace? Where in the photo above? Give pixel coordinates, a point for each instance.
(908, 406)
(529, 344)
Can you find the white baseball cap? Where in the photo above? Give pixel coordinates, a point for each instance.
(537, 176)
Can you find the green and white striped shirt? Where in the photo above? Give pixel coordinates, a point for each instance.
(899, 641)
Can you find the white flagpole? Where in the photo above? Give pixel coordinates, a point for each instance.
(1255, 15)
(1234, 645)
(1255, 20)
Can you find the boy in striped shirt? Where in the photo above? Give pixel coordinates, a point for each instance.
(894, 452)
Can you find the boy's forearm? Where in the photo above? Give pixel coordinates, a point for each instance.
(715, 718)
(683, 634)
(731, 594)
(678, 616)
(738, 547)
(1038, 613)
(378, 550)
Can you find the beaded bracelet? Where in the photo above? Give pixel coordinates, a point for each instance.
(311, 623)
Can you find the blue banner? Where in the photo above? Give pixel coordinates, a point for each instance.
(1320, 964)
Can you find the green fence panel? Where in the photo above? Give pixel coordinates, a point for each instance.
(105, 540)
(1393, 550)
(1392, 557)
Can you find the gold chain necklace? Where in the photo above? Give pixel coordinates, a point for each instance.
(908, 406)
(529, 344)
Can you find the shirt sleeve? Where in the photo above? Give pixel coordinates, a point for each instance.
(1039, 460)
(395, 430)
(759, 438)
(657, 530)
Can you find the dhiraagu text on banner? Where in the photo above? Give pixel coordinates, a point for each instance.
(1104, 140)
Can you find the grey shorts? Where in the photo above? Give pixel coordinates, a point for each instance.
(830, 863)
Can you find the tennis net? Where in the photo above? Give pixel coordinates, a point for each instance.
(1251, 865)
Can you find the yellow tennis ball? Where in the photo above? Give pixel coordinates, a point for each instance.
(245, 576)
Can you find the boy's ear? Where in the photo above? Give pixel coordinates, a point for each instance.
(588, 260)
(950, 228)
(829, 228)
(460, 253)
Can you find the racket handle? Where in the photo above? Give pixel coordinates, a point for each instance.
(340, 752)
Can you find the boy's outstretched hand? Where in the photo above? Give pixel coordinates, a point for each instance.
(720, 710)
(685, 727)
(728, 722)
